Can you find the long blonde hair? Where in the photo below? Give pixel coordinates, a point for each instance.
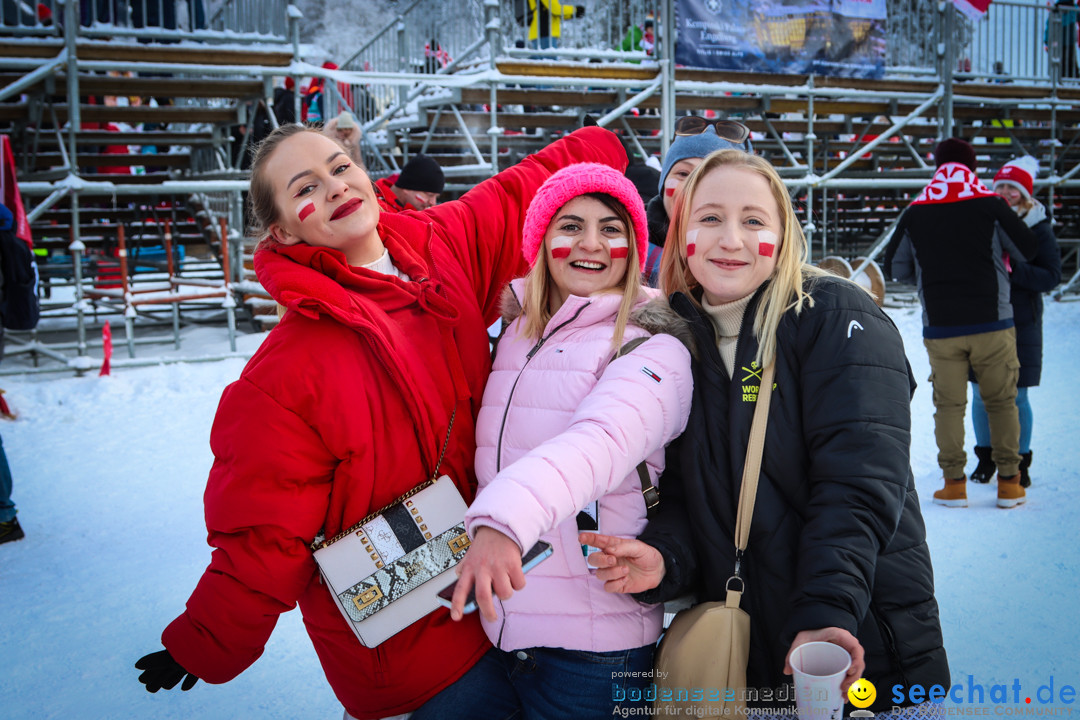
(785, 290)
(538, 282)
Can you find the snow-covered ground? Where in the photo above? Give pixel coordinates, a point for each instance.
(109, 473)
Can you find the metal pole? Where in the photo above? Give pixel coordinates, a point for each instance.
(494, 38)
(71, 27)
(403, 57)
(1055, 78)
(666, 36)
(947, 56)
(35, 76)
(76, 247)
(229, 302)
(809, 228)
(294, 31)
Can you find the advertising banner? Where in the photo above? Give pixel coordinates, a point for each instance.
(824, 37)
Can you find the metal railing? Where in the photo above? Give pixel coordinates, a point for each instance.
(1022, 42)
(227, 21)
(586, 29)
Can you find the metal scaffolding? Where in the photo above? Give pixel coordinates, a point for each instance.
(460, 75)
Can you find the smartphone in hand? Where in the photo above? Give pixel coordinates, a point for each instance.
(538, 553)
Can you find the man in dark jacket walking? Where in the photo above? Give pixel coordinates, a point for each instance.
(954, 242)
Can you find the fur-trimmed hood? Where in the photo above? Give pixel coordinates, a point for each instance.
(653, 314)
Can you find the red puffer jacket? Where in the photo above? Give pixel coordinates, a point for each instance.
(344, 408)
(388, 200)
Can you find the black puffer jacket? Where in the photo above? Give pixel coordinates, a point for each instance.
(837, 537)
(1028, 281)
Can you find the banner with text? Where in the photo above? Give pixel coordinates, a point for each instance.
(824, 37)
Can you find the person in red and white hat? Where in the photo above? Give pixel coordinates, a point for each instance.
(1028, 281)
(952, 242)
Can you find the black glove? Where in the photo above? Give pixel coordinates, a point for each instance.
(579, 11)
(161, 671)
(588, 121)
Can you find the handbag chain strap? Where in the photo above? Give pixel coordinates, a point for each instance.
(446, 442)
(751, 471)
(427, 483)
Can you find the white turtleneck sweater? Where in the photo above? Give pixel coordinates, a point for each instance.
(727, 319)
(385, 266)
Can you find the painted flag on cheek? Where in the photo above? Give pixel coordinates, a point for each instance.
(691, 242)
(620, 248)
(305, 210)
(766, 243)
(559, 247)
(669, 186)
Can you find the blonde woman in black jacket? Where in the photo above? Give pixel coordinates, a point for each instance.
(837, 548)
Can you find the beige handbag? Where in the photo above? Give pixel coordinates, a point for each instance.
(701, 661)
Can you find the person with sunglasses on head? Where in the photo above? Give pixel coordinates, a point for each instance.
(695, 137)
(837, 548)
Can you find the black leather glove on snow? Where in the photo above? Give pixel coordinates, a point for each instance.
(579, 11)
(161, 671)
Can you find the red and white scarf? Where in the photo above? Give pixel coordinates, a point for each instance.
(953, 182)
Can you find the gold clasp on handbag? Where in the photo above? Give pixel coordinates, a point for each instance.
(367, 597)
(461, 542)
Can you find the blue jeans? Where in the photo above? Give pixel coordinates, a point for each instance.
(982, 423)
(545, 684)
(7, 507)
(544, 43)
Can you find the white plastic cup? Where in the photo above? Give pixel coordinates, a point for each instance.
(819, 668)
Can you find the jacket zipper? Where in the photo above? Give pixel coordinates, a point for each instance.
(510, 398)
(889, 640)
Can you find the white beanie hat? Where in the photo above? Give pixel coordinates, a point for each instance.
(1020, 173)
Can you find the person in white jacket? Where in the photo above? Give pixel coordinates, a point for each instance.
(563, 426)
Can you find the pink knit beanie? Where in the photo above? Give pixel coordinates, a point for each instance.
(569, 183)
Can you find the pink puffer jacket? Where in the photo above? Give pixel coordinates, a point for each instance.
(563, 425)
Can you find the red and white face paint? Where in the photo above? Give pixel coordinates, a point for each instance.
(560, 247)
(620, 248)
(676, 176)
(322, 198)
(691, 242)
(305, 210)
(588, 250)
(766, 245)
(734, 232)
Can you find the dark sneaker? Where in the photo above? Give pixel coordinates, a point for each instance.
(10, 531)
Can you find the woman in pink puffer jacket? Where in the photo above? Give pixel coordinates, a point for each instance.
(561, 431)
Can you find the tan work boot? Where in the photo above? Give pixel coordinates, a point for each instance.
(954, 494)
(1010, 494)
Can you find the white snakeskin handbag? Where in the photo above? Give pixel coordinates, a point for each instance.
(384, 571)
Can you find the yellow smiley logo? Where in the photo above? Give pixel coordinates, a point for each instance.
(862, 693)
